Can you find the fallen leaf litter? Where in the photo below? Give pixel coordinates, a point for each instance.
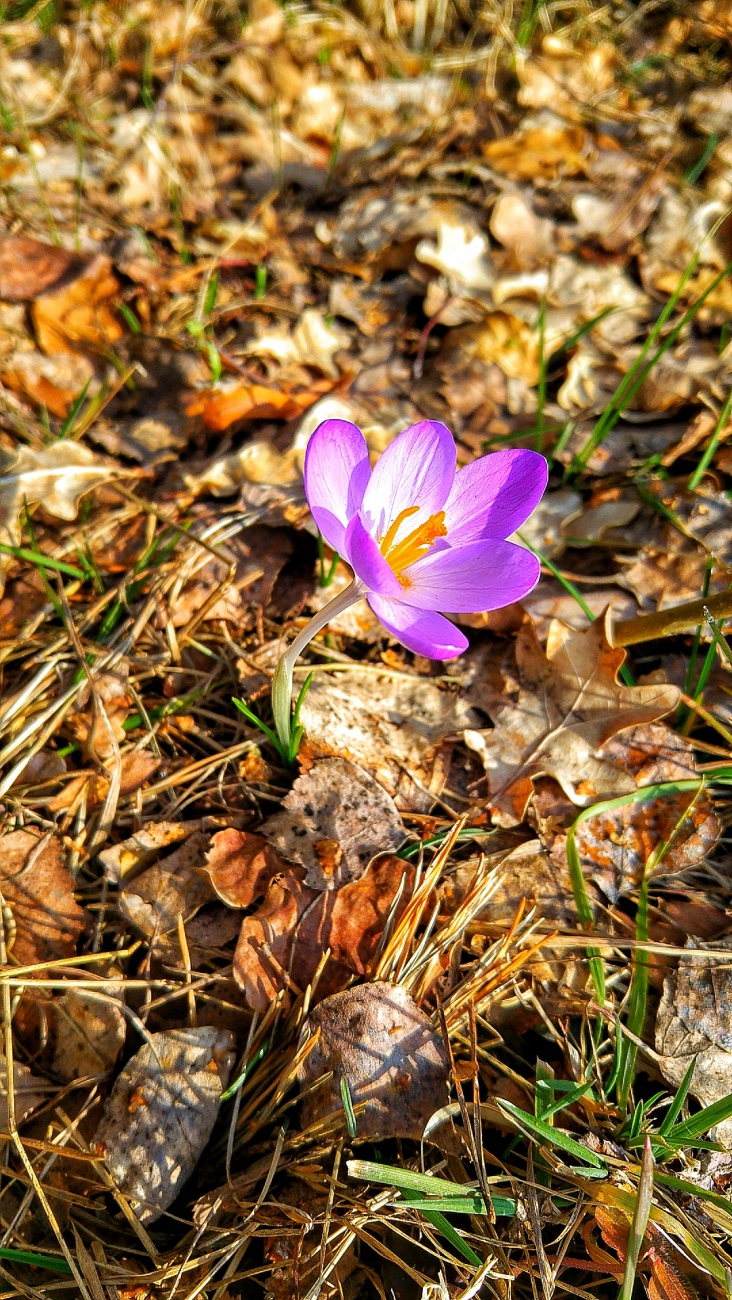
(491, 901)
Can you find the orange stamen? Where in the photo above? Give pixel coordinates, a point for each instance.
(415, 545)
(393, 529)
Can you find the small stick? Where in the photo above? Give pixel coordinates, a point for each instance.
(668, 622)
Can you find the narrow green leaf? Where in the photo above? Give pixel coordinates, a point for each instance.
(408, 1179)
(42, 561)
(703, 465)
(640, 1223)
(546, 1133)
(51, 1262)
(451, 1234)
(682, 1093)
(348, 1108)
(684, 1134)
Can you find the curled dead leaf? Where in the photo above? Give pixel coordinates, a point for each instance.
(284, 940)
(240, 866)
(253, 402)
(173, 887)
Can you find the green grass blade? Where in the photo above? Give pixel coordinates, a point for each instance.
(638, 997)
(703, 465)
(257, 722)
(38, 1261)
(43, 561)
(703, 161)
(639, 1224)
(716, 632)
(451, 1234)
(68, 423)
(682, 1093)
(348, 1108)
(641, 368)
(408, 1180)
(546, 1133)
(584, 911)
(684, 1134)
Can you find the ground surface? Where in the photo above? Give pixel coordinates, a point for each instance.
(492, 896)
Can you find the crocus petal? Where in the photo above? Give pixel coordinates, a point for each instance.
(335, 475)
(367, 562)
(417, 469)
(470, 579)
(424, 633)
(493, 496)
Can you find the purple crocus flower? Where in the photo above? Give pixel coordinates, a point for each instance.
(420, 535)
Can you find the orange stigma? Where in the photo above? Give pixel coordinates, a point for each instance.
(415, 545)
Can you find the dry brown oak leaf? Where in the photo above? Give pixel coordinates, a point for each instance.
(40, 894)
(566, 704)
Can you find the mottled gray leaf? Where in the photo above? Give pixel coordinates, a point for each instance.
(160, 1113)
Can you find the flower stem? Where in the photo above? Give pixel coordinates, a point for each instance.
(282, 680)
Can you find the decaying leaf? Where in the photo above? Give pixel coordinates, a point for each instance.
(39, 891)
(545, 151)
(120, 860)
(90, 1032)
(528, 874)
(138, 765)
(283, 942)
(312, 342)
(29, 268)
(54, 382)
(28, 1090)
(376, 1038)
(173, 887)
(100, 711)
(394, 726)
(615, 847)
(160, 1113)
(78, 313)
(504, 340)
(567, 705)
(240, 866)
(57, 475)
(256, 557)
(253, 402)
(333, 821)
(694, 1023)
(545, 526)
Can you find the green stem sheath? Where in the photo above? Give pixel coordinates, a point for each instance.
(282, 680)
